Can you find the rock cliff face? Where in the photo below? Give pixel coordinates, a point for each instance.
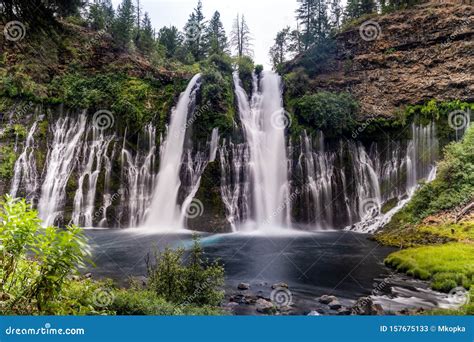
(406, 57)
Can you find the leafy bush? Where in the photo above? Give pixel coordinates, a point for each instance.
(215, 107)
(246, 67)
(296, 84)
(333, 112)
(7, 159)
(58, 254)
(195, 282)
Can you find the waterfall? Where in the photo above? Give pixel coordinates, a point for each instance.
(214, 145)
(60, 163)
(235, 186)
(266, 142)
(194, 168)
(25, 169)
(107, 197)
(164, 211)
(138, 177)
(93, 154)
(346, 184)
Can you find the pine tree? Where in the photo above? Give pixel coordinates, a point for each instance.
(122, 28)
(336, 13)
(296, 40)
(280, 49)
(215, 37)
(146, 41)
(194, 32)
(101, 15)
(367, 6)
(313, 17)
(241, 37)
(357, 8)
(171, 39)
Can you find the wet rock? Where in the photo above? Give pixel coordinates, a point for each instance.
(325, 299)
(264, 306)
(88, 276)
(232, 304)
(335, 305)
(365, 306)
(243, 286)
(250, 299)
(314, 313)
(280, 285)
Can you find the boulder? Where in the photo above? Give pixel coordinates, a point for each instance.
(280, 285)
(335, 305)
(243, 286)
(325, 299)
(365, 306)
(264, 306)
(314, 313)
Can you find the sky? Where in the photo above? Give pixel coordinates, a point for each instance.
(264, 17)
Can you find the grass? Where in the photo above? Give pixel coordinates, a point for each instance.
(447, 266)
(145, 302)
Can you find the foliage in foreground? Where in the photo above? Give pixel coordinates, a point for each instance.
(39, 275)
(38, 279)
(195, 282)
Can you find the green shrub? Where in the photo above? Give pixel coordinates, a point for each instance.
(195, 282)
(60, 253)
(7, 162)
(57, 254)
(331, 112)
(246, 68)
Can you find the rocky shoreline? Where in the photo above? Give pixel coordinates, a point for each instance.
(389, 297)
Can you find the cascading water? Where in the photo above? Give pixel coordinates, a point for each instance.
(93, 154)
(164, 212)
(266, 142)
(138, 176)
(25, 169)
(60, 162)
(348, 186)
(235, 185)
